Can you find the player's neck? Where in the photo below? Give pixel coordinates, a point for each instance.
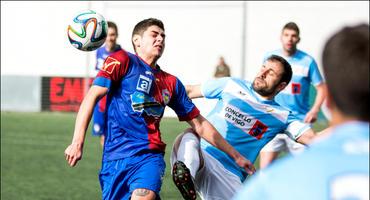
(339, 118)
(149, 60)
(289, 53)
(110, 48)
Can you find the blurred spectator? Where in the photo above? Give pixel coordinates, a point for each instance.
(222, 69)
(110, 46)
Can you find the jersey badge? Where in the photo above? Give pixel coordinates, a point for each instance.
(258, 129)
(166, 96)
(296, 88)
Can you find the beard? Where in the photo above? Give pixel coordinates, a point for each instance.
(260, 86)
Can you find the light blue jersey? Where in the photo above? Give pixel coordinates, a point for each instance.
(336, 167)
(305, 72)
(245, 120)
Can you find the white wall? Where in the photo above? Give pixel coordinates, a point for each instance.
(34, 40)
(317, 21)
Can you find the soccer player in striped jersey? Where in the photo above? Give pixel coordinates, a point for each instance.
(247, 116)
(336, 166)
(138, 91)
(295, 96)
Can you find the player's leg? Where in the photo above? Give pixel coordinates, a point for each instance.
(185, 162)
(136, 177)
(146, 179)
(99, 120)
(271, 150)
(294, 147)
(143, 194)
(102, 138)
(214, 181)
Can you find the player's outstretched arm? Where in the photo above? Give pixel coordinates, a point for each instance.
(311, 116)
(205, 130)
(73, 152)
(193, 91)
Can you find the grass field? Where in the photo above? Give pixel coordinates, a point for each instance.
(33, 165)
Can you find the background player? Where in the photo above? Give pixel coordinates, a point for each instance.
(111, 46)
(296, 95)
(138, 91)
(247, 116)
(337, 165)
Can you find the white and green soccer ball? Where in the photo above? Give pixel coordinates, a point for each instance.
(87, 31)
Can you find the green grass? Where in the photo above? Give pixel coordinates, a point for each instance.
(33, 164)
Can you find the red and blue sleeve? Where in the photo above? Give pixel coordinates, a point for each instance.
(114, 68)
(182, 104)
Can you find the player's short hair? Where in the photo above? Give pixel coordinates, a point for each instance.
(291, 26)
(113, 25)
(287, 74)
(142, 26)
(346, 68)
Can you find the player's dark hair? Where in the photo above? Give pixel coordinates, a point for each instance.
(346, 68)
(113, 25)
(291, 26)
(287, 74)
(142, 26)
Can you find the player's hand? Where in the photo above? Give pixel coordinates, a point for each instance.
(246, 164)
(73, 153)
(311, 116)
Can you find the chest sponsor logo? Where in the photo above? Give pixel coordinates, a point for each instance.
(110, 64)
(144, 103)
(144, 84)
(244, 121)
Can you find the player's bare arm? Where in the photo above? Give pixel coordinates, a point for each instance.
(193, 91)
(205, 130)
(311, 116)
(73, 152)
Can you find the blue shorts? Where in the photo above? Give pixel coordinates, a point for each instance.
(99, 118)
(119, 178)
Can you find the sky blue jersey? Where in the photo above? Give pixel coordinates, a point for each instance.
(305, 72)
(336, 167)
(245, 120)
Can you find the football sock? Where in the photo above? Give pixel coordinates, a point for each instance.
(188, 152)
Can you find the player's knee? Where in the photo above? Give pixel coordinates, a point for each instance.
(143, 194)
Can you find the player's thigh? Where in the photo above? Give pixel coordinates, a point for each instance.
(214, 181)
(143, 194)
(277, 144)
(147, 177)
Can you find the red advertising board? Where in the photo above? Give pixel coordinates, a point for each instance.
(63, 93)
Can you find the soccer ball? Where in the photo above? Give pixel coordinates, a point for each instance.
(87, 31)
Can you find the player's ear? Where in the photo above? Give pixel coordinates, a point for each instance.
(281, 86)
(299, 39)
(136, 40)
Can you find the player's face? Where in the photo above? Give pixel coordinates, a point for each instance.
(111, 39)
(267, 81)
(152, 42)
(289, 39)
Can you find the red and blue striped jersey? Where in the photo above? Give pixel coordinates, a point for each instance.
(136, 99)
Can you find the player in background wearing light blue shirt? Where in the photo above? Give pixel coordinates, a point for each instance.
(295, 96)
(247, 116)
(99, 115)
(336, 166)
